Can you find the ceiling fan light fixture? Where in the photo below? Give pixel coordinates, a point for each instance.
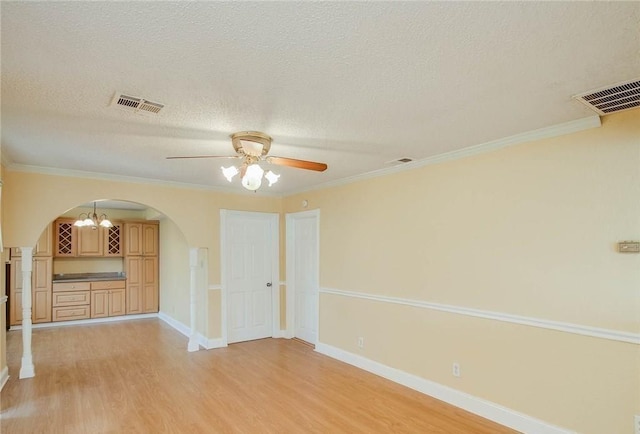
(272, 178)
(229, 172)
(252, 179)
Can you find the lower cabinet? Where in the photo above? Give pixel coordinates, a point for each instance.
(107, 298)
(71, 301)
(82, 300)
(40, 291)
(142, 284)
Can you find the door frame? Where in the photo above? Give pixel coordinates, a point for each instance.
(291, 290)
(274, 240)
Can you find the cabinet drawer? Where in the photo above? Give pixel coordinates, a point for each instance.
(71, 286)
(108, 284)
(70, 298)
(71, 312)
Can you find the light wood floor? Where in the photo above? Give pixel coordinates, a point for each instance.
(137, 377)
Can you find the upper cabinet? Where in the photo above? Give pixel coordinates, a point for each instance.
(65, 238)
(113, 240)
(90, 241)
(71, 241)
(141, 239)
(42, 248)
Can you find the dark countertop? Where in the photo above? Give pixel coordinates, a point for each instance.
(87, 277)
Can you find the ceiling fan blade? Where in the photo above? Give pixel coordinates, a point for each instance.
(203, 156)
(299, 164)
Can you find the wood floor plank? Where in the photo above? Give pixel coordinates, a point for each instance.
(137, 377)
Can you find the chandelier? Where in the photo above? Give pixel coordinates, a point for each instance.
(92, 220)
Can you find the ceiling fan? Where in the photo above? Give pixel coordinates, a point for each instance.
(252, 147)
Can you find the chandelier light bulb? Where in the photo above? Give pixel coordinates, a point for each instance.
(252, 179)
(272, 178)
(229, 172)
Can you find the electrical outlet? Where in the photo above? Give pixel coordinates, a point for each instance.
(456, 369)
(360, 342)
(636, 424)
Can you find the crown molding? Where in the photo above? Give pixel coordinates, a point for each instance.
(529, 136)
(517, 139)
(13, 167)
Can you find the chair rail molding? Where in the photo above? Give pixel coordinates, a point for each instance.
(596, 332)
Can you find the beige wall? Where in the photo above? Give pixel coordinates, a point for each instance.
(529, 230)
(174, 272)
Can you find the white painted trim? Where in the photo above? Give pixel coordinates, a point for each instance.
(3, 299)
(596, 332)
(494, 145)
(193, 344)
(47, 325)
(223, 276)
(186, 331)
(215, 287)
(4, 376)
(290, 294)
(487, 409)
(274, 239)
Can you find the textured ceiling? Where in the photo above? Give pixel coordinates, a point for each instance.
(354, 85)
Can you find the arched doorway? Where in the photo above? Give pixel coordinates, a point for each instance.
(90, 282)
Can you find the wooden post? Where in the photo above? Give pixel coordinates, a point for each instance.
(26, 370)
(193, 291)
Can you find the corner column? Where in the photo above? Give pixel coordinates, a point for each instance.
(26, 370)
(193, 291)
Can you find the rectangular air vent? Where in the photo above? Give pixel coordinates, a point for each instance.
(135, 104)
(399, 161)
(612, 99)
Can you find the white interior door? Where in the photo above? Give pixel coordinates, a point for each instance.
(248, 277)
(305, 274)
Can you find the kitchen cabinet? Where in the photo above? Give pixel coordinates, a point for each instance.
(142, 284)
(44, 246)
(113, 240)
(65, 238)
(133, 267)
(141, 239)
(71, 301)
(107, 298)
(90, 241)
(141, 267)
(150, 287)
(40, 291)
(72, 241)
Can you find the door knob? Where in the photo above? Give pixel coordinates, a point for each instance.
(269, 285)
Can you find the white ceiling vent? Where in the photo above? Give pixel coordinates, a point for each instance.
(612, 99)
(135, 104)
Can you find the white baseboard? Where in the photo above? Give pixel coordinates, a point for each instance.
(46, 325)
(4, 376)
(208, 344)
(481, 407)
